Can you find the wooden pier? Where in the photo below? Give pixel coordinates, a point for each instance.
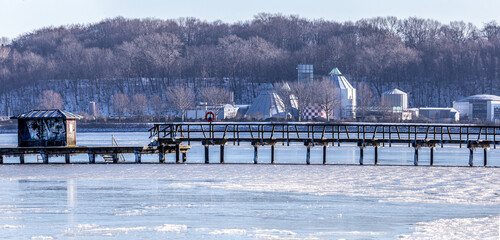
(363, 135)
(107, 152)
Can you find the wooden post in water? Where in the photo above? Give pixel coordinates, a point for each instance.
(21, 158)
(207, 154)
(324, 154)
(67, 158)
(184, 157)
(376, 155)
(161, 155)
(255, 154)
(415, 157)
(137, 156)
(361, 155)
(1, 159)
(177, 153)
(432, 156)
(91, 157)
(272, 154)
(222, 153)
(308, 155)
(485, 158)
(114, 156)
(45, 157)
(471, 157)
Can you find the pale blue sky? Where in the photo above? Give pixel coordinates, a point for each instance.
(22, 16)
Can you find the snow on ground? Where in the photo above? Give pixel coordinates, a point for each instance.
(457, 228)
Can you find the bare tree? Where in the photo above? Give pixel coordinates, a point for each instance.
(365, 99)
(326, 94)
(121, 103)
(139, 104)
(304, 94)
(180, 98)
(215, 96)
(51, 100)
(157, 104)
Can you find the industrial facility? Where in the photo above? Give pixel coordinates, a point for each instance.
(305, 73)
(347, 95)
(482, 107)
(397, 99)
(267, 105)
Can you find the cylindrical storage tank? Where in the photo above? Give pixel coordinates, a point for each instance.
(397, 98)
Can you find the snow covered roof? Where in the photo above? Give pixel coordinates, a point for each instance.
(266, 105)
(484, 97)
(438, 109)
(395, 91)
(339, 79)
(47, 114)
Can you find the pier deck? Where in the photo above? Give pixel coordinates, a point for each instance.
(111, 152)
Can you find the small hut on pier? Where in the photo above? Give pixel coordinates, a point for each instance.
(39, 128)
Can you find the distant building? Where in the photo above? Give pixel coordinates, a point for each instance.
(397, 99)
(267, 105)
(39, 128)
(439, 114)
(225, 111)
(347, 95)
(305, 73)
(313, 111)
(484, 107)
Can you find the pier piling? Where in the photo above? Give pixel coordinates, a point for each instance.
(45, 157)
(222, 154)
(471, 157)
(67, 158)
(432, 157)
(137, 156)
(415, 157)
(207, 154)
(255, 154)
(361, 155)
(21, 158)
(184, 157)
(308, 155)
(272, 154)
(161, 155)
(91, 157)
(177, 153)
(1, 159)
(376, 155)
(485, 157)
(324, 154)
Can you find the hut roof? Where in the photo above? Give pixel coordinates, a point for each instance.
(47, 114)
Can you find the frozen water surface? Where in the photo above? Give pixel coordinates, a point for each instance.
(246, 201)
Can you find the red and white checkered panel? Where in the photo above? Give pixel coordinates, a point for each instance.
(313, 111)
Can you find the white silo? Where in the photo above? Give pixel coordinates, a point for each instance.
(397, 98)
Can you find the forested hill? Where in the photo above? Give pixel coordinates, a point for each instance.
(435, 62)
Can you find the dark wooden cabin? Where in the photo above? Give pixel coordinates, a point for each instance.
(39, 128)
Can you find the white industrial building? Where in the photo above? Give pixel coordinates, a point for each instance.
(483, 107)
(305, 73)
(397, 99)
(267, 105)
(439, 114)
(347, 95)
(226, 111)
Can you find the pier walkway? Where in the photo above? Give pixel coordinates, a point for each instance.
(328, 134)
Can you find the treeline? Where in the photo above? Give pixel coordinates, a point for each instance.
(434, 62)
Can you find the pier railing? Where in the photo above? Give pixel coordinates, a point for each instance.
(321, 133)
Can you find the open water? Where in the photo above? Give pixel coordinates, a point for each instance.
(288, 200)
